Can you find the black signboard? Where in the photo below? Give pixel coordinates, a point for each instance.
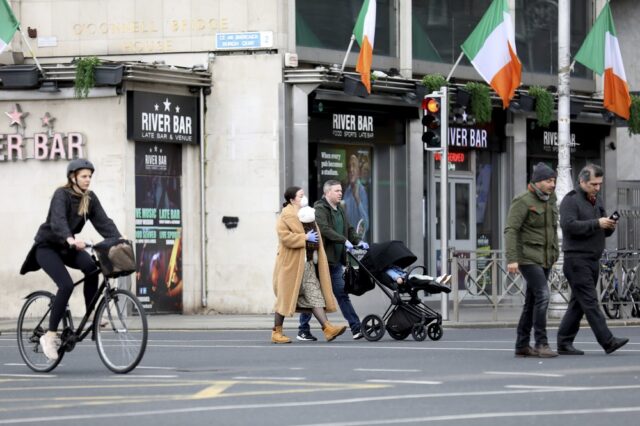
(584, 141)
(159, 226)
(159, 117)
(341, 122)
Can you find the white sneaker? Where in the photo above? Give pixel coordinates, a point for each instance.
(49, 346)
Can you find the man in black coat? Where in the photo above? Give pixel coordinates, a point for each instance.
(584, 228)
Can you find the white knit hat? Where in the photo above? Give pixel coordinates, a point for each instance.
(307, 214)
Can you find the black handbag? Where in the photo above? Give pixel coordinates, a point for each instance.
(356, 283)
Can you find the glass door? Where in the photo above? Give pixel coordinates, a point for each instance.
(462, 223)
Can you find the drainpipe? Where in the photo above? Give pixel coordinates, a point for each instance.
(203, 221)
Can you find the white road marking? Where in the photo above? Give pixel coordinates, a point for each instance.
(15, 364)
(47, 376)
(268, 378)
(475, 416)
(522, 373)
(147, 376)
(154, 368)
(544, 387)
(408, 382)
(296, 404)
(387, 370)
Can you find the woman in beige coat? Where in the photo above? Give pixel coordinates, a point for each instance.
(298, 283)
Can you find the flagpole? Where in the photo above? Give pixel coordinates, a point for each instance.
(344, 61)
(455, 66)
(33, 55)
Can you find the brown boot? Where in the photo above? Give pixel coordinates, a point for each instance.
(278, 337)
(332, 331)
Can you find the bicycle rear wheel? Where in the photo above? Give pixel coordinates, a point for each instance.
(33, 322)
(122, 342)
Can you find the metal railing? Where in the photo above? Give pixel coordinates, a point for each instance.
(480, 280)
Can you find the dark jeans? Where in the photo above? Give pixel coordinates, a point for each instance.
(582, 275)
(337, 283)
(536, 302)
(53, 263)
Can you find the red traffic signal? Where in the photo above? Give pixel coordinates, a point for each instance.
(431, 122)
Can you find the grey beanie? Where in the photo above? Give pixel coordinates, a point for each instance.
(542, 172)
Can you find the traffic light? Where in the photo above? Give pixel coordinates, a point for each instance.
(431, 122)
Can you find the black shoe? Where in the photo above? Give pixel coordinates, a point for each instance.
(306, 336)
(569, 350)
(615, 344)
(358, 335)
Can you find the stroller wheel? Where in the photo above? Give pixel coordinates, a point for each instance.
(372, 328)
(419, 332)
(399, 335)
(434, 331)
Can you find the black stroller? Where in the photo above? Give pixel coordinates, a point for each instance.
(406, 314)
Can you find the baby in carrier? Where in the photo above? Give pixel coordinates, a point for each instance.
(399, 275)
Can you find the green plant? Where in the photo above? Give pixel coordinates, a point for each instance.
(480, 101)
(85, 75)
(434, 82)
(544, 105)
(634, 116)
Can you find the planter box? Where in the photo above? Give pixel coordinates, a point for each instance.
(109, 75)
(527, 103)
(354, 87)
(19, 76)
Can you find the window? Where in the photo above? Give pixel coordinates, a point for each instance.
(328, 24)
(440, 28)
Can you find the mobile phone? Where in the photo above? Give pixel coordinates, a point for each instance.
(615, 216)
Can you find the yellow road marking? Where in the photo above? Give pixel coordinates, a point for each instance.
(213, 391)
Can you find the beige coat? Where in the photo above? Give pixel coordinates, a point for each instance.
(290, 260)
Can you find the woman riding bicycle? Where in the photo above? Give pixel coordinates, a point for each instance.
(55, 244)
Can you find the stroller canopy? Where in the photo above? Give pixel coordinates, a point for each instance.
(381, 256)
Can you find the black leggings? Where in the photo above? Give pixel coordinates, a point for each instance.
(53, 263)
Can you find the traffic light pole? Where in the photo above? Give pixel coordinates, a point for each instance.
(444, 217)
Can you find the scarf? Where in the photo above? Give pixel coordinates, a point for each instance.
(543, 196)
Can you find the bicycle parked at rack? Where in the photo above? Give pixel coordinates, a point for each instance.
(617, 293)
(119, 327)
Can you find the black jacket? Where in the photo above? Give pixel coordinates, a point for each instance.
(63, 222)
(582, 235)
(331, 238)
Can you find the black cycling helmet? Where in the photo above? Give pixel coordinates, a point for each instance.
(79, 164)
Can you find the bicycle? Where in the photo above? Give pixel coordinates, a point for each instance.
(119, 327)
(609, 285)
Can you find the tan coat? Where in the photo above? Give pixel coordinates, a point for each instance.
(290, 260)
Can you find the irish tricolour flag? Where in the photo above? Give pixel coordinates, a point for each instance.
(365, 32)
(600, 52)
(8, 24)
(491, 48)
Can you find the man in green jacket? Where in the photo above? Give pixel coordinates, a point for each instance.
(531, 242)
(337, 237)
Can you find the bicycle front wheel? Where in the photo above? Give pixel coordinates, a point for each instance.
(120, 328)
(33, 322)
(611, 304)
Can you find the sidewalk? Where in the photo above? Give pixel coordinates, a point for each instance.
(468, 319)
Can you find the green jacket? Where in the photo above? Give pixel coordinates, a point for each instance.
(531, 234)
(331, 238)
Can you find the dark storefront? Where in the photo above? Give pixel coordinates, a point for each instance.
(364, 147)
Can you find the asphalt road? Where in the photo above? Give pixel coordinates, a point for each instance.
(239, 378)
